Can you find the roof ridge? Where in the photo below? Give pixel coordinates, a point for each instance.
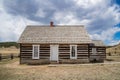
(55, 25)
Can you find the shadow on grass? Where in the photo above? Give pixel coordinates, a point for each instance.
(109, 59)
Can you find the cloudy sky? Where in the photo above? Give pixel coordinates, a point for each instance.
(100, 17)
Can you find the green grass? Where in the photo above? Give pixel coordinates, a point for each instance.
(9, 44)
(11, 70)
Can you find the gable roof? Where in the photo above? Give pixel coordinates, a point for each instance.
(98, 43)
(57, 34)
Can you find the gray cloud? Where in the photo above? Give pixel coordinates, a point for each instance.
(21, 7)
(29, 8)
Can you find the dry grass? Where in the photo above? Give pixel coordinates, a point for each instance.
(13, 71)
(6, 51)
(113, 58)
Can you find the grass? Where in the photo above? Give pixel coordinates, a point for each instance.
(113, 58)
(11, 70)
(7, 51)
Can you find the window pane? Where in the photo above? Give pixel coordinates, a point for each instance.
(73, 51)
(36, 52)
(94, 51)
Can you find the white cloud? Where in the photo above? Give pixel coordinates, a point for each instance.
(11, 26)
(99, 17)
(69, 18)
(91, 3)
(114, 42)
(107, 35)
(66, 18)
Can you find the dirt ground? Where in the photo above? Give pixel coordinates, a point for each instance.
(12, 70)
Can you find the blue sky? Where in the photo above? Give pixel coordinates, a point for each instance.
(100, 17)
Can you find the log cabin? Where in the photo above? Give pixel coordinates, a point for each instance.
(45, 44)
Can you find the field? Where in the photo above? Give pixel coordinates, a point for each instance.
(11, 70)
(10, 50)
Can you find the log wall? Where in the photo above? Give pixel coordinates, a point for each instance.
(82, 51)
(82, 54)
(101, 53)
(26, 51)
(44, 51)
(64, 51)
(26, 54)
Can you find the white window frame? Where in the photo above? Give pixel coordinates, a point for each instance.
(34, 57)
(71, 57)
(94, 50)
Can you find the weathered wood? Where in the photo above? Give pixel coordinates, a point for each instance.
(26, 51)
(0, 57)
(44, 51)
(64, 51)
(82, 51)
(20, 53)
(100, 55)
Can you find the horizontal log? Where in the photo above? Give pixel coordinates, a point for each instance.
(44, 58)
(64, 57)
(44, 54)
(64, 48)
(82, 58)
(99, 52)
(26, 48)
(26, 52)
(97, 55)
(64, 51)
(26, 56)
(64, 54)
(82, 45)
(63, 45)
(82, 51)
(44, 51)
(26, 44)
(82, 54)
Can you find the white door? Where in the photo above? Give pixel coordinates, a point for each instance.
(54, 52)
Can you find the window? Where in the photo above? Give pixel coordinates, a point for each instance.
(94, 51)
(35, 52)
(73, 51)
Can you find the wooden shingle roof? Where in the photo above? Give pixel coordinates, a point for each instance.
(57, 34)
(98, 43)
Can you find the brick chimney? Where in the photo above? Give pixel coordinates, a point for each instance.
(51, 24)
